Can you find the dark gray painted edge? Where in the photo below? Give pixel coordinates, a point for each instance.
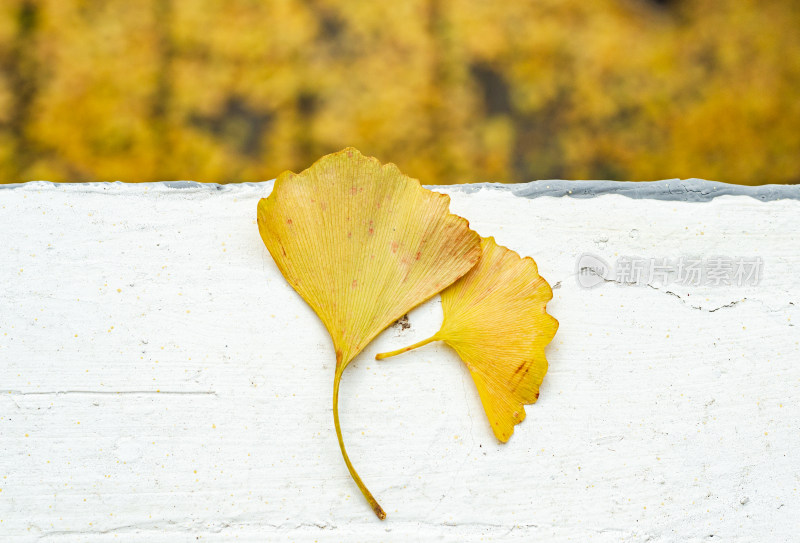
(684, 190)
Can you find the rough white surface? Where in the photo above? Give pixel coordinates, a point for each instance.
(161, 382)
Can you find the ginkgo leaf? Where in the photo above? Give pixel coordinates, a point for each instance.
(495, 319)
(362, 244)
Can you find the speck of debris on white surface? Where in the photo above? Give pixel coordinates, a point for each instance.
(161, 382)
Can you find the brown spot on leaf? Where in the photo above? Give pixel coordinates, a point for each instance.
(395, 245)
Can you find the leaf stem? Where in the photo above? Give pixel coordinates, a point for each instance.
(381, 356)
(364, 490)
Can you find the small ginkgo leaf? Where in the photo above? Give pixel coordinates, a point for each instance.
(362, 244)
(495, 319)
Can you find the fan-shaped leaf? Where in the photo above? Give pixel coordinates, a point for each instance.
(362, 244)
(495, 319)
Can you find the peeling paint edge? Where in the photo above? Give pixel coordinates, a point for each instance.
(684, 190)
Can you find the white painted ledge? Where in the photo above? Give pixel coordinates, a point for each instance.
(161, 382)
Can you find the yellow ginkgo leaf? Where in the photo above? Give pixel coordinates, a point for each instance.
(495, 319)
(362, 244)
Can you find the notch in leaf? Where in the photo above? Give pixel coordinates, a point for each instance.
(496, 320)
(363, 244)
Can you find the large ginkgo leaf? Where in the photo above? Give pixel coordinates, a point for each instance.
(362, 244)
(495, 319)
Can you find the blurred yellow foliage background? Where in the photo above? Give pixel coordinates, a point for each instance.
(453, 91)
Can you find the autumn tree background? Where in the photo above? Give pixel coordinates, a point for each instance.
(452, 91)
